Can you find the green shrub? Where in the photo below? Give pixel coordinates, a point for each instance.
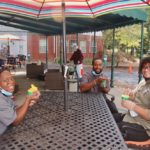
(87, 61)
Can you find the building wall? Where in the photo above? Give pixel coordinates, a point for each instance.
(55, 47)
(89, 49)
(16, 47)
(34, 46)
(29, 44)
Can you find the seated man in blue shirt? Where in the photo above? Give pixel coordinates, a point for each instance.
(94, 80)
(9, 113)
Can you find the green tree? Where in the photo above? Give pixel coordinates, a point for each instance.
(107, 38)
(147, 26)
(128, 37)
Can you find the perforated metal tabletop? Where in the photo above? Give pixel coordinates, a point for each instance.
(87, 125)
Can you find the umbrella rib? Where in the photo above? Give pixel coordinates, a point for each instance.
(40, 8)
(146, 2)
(90, 7)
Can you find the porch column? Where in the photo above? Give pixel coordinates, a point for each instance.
(94, 45)
(46, 52)
(77, 38)
(112, 60)
(142, 41)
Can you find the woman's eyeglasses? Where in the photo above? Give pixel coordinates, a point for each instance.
(146, 67)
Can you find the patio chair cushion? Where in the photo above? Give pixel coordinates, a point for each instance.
(54, 80)
(133, 132)
(145, 145)
(35, 71)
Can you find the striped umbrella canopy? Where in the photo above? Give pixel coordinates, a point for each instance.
(73, 8)
(45, 16)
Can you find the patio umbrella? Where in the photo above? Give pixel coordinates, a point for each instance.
(75, 8)
(58, 11)
(46, 16)
(8, 38)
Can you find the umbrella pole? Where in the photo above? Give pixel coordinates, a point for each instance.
(64, 56)
(142, 43)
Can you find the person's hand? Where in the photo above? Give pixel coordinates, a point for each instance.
(33, 98)
(68, 61)
(100, 79)
(129, 92)
(128, 104)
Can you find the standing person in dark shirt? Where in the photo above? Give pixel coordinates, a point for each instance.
(77, 58)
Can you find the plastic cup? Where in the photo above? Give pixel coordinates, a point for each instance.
(29, 93)
(103, 83)
(132, 113)
(125, 97)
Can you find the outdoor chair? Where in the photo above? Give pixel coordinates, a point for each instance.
(35, 71)
(54, 80)
(109, 98)
(11, 63)
(21, 60)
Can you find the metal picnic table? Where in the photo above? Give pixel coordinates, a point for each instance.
(87, 125)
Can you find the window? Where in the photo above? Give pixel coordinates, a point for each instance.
(83, 46)
(73, 45)
(92, 47)
(20, 49)
(42, 46)
(67, 46)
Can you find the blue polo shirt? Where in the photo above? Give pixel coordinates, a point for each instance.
(7, 112)
(88, 77)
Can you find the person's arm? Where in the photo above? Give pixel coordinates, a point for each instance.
(72, 57)
(144, 113)
(131, 92)
(80, 58)
(130, 105)
(87, 86)
(22, 110)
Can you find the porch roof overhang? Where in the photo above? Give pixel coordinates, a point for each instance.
(50, 26)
